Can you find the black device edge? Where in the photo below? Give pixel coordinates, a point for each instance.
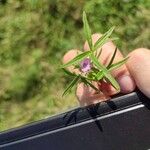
(74, 116)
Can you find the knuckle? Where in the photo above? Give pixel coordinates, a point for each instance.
(139, 52)
(70, 55)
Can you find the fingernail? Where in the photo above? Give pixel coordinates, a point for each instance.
(126, 83)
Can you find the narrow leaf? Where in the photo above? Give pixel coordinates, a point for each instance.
(99, 53)
(87, 30)
(118, 64)
(77, 59)
(68, 72)
(114, 38)
(96, 53)
(70, 86)
(106, 72)
(112, 58)
(99, 75)
(91, 76)
(102, 40)
(90, 84)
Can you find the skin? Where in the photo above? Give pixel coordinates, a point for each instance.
(136, 72)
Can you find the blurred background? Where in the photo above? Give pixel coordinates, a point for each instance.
(34, 35)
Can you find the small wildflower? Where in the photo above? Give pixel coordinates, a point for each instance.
(86, 65)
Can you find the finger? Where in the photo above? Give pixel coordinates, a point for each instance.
(139, 67)
(69, 56)
(87, 96)
(122, 74)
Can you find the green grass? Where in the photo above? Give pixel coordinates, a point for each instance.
(35, 34)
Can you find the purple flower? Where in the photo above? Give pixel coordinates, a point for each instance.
(85, 65)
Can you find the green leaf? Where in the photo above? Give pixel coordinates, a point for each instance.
(118, 64)
(68, 72)
(77, 59)
(87, 31)
(106, 72)
(85, 81)
(114, 38)
(91, 76)
(99, 53)
(99, 75)
(102, 40)
(70, 86)
(112, 58)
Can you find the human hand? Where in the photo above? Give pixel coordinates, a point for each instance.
(136, 72)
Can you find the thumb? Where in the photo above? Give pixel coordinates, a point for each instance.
(139, 67)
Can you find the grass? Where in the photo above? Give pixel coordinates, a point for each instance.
(35, 34)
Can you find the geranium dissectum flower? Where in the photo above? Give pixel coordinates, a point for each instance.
(86, 65)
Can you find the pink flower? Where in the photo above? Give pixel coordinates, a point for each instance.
(85, 65)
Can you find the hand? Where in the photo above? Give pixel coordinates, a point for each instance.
(135, 73)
